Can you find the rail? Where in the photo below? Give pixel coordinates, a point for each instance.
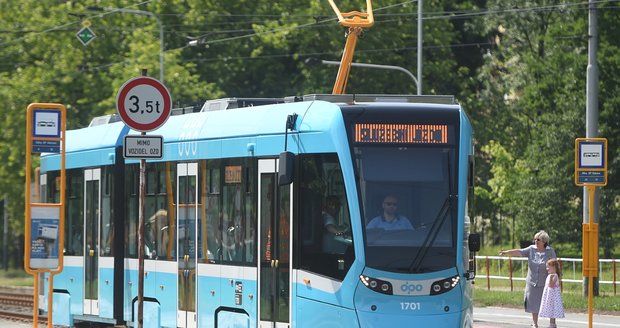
(514, 269)
(17, 305)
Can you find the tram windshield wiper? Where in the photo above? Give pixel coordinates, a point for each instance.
(443, 213)
(445, 209)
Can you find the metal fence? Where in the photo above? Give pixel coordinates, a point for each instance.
(512, 269)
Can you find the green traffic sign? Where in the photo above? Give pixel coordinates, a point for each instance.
(85, 35)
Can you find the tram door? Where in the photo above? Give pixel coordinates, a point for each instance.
(187, 218)
(275, 239)
(92, 205)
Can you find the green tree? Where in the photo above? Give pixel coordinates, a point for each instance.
(609, 102)
(43, 61)
(536, 91)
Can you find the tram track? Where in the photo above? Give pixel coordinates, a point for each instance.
(17, 305)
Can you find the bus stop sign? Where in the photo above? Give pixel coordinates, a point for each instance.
(591, 161)
(143, 103)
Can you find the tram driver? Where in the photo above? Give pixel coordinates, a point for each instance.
(390, 219)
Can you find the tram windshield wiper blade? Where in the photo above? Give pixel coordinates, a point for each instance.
(434, 231)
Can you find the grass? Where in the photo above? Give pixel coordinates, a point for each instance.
(15, 277)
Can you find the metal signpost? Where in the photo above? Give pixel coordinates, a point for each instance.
(591, 172)
(44, 222)
(144, 104)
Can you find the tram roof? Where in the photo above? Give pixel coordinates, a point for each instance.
(226, 118)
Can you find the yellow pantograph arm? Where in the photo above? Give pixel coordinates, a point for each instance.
(355, 18)
(356, 22)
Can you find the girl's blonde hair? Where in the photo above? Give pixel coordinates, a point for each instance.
(556, 265)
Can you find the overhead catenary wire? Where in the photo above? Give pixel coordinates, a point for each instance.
(452, 15)
(458, 14)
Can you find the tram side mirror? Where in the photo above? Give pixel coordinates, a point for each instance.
(286, 167)
(474, 242)
(474, 246)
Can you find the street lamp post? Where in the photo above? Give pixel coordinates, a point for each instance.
(376, 66)
(161, 31)
(419, 83)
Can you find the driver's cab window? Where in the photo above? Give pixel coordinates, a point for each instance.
(408, 198)
(325, 224)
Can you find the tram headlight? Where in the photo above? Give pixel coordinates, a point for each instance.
(377, 285)
(444, 285)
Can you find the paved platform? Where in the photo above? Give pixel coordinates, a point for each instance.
(496, 317)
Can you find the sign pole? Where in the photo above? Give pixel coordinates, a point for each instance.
(44, 222)
(144, 104)
(590, 252)
(590, 172)
(141, 242)
(141, 238)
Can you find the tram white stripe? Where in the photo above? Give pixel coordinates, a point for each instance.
(106, 262)
(227, 271)
(73, 261)
(317, 281)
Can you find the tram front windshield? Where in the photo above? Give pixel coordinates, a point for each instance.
(409, 207)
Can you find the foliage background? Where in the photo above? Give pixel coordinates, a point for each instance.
(518, 67)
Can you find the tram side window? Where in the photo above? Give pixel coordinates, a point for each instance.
(132, 174)
(211, 221)
(107, 212)
(237, 220)
(50, 193)
(324, 241)
(250, 214)
(159, 222)
(159, 216)
(74, 213)
(232, 228)
(230, 213)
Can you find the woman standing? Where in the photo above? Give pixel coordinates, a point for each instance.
(537, 256)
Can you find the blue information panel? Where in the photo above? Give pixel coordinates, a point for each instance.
(44, 237)
(45, 146)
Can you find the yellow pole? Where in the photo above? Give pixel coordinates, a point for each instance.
(345, 63)
(592, 253)
(50, 300)
(35, 299)
(35, 296)
(590, 300)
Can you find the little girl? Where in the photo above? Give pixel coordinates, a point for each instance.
(551, 305)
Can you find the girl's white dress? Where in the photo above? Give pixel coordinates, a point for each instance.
(551, 305)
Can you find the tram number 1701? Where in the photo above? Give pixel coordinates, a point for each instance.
(411, 306)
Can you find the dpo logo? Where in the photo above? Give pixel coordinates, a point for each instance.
(410, 288)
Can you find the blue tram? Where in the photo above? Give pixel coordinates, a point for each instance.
(259, 212)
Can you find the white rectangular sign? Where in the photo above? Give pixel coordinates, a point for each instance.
(591, 155)
(143, 147)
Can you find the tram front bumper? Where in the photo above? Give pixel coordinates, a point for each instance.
(379, 320)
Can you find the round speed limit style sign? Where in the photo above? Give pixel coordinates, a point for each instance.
(143, 103)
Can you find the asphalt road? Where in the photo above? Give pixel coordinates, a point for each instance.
(496, 317)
